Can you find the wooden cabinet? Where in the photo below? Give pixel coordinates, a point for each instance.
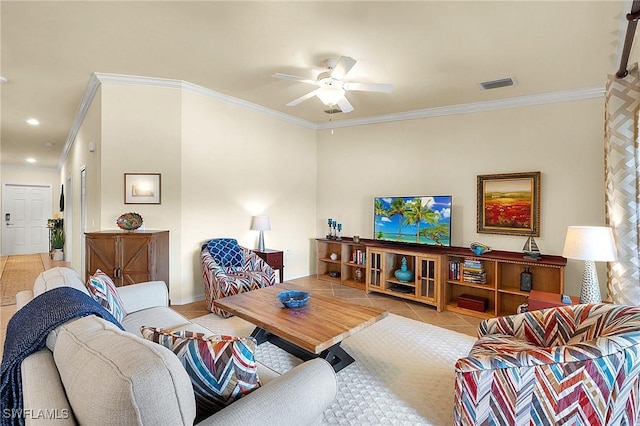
(341, 261)
(425, 284)
(440, 274)
(128, 257)
(495, 276)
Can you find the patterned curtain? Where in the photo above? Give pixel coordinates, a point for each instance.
(622, 177)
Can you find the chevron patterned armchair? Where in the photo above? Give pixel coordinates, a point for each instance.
(574, 365)
(228, 269)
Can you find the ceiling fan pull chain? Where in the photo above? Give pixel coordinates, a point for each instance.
(331, 118)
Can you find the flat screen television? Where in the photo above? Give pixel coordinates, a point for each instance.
(417, 219)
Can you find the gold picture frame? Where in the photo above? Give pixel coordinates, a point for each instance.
(142, 188)
(509, 204)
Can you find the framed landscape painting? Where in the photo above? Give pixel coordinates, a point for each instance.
(142, 188)
(509, 204)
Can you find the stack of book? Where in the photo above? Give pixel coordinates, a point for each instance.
(473, 272)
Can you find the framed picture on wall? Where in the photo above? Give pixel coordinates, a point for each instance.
(142, 188)
(509, 204)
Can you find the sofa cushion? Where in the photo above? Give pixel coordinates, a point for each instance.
(111, 374)
(226, 252)
(222, 368)
(103, 290)
(161, 317)
(58, 277)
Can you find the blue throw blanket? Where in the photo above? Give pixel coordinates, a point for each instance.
(27, 333)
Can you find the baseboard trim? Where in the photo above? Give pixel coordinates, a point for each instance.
(186, 300)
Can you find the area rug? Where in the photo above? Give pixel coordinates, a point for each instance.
(18, 274)
(403, 373)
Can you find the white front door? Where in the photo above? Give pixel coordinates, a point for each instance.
(26, 209)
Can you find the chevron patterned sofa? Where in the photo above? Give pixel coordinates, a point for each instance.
(576, 365)
(228, 269)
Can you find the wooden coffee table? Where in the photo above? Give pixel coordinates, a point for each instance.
(313, 331)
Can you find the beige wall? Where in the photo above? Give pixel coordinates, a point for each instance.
(141, 131)
(443, 155)
(223, 163)
(78, 158)
(237, 163)
(220, 164)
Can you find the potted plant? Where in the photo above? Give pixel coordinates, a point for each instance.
(57, 243)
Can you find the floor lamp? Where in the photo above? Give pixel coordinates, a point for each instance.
(591, 244)
(260, 223)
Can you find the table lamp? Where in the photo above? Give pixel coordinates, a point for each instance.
(591, 244)
(260, 223)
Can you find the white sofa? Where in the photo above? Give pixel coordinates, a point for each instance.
(91, 372)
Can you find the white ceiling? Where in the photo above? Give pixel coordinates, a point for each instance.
(434, 53)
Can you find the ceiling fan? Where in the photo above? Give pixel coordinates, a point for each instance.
(331, 86)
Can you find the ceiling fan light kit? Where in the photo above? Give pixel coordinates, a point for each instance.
(330, 95)
(331, 87)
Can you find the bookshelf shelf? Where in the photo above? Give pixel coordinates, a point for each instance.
(350, 260)
(439, 273)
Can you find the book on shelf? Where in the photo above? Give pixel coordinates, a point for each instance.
(454, 270)
(474, 277)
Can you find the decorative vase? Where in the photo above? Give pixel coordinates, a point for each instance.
(357, 274)
(333, 256)
(403, 274)
(129, 221)
(58, 254)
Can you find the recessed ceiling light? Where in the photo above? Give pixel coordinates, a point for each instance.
(33, 122)
(30, 160)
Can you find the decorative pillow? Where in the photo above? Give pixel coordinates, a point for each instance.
(226, 252)
(222, 368)
(103, 290)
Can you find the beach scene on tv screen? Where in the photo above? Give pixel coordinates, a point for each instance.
(417, 219)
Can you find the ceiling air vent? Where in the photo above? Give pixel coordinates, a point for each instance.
(495, 84)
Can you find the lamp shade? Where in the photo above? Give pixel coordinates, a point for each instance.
(260, 223)
(590, 243)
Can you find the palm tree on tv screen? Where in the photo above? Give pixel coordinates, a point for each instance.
(436, 232)
(378, 208)
(398, 207)
(418, 213)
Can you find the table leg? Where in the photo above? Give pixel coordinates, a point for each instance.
(335, 355)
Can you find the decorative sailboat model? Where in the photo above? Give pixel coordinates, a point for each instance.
(531, 249)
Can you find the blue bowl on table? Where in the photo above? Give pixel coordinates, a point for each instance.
(294, 299)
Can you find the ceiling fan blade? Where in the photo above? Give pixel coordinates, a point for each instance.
(368, 87)
(293, 77)
(344, 105)
(303, 98)
(343, 66)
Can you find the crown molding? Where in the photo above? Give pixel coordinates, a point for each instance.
(522, 101)
(199, 90)
(515, 102)
(81, 113)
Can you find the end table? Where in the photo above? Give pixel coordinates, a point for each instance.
(542, 300)
(274, 258)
